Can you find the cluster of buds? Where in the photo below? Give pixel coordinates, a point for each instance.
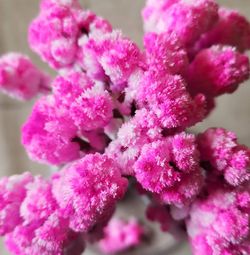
(115, 113)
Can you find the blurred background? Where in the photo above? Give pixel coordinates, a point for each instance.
(233, 111)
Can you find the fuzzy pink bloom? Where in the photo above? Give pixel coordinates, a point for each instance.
(88, 103)
(111, 55)
(87, 191)
(143, 128)
(161, 214)
(12, 193)
(39, 203)
(49, 238)
(53, 35)
(20, 78)
(121, 235)
(188, 19)
(170, 168)
(221, 153)
(232, 29)
(57, 32)
(163, 50)
(219, 224)
(48, 135)
(167, 97)
(218, 70)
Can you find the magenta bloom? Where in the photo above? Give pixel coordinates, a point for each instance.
(219, 224)
(221, 153)
(48, 134)
(218, 70)
(231, 29)
(121, 235)
(87, 102)
(163, 50)
(20, 78)
(12, 193)
(168, 16)
(170, 168)
(39, 203)
(167, 97)
(88, 190)
(50, 238)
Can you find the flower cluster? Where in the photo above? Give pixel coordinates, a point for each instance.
(115, 111)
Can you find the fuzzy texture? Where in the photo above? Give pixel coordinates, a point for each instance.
(188, 19)
(222, 154)
(49, 238)
(218, 70)
(48, 134)
(231, 29)
(168, 98)
(111, 57)
(87, 191)
(56, 33)
(121, 235)
(168, 168)
(87, 103)
(163, 50)
(219, 224)
(12, 193)
(20, 78)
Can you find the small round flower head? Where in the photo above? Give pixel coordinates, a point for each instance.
(20, 78)
(48, 135)
(88, 190)
(143, 128)
(39, 203)
(53, 35)
(219, 223)
(221, 153)
(231, 29)
(164, 52)
(121, 235)
(113, 53)
(12, 194)
(167, 97)
(49, 238)
(161, 214)
(167, 167)
(188, 19)
(218, 70)
(88, 104)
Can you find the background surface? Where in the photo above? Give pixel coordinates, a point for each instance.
(233, 112)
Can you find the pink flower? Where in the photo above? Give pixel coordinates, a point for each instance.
(167, 97)
(39, 203)
(121, 235)
(171, 16)
(163, 50)
(88, 190)
(222, 154)
(12, 193)
(218, 70)
(48, 135)
(20, 78)
(220, 223)
(231, 29)
(88, 103)
(169, 168)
